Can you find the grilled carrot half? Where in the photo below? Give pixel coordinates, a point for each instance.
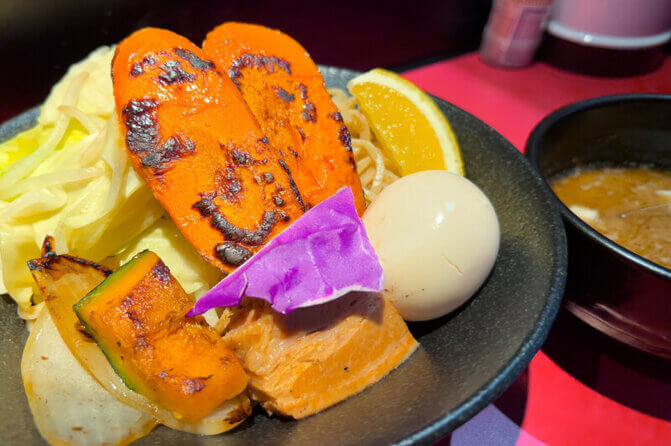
(195, 142)
(286, 93)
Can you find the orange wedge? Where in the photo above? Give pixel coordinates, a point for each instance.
(411, 129)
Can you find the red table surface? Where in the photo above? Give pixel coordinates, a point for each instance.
(560, 409)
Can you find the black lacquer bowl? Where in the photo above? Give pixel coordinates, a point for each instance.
(465, 360)
(609, 287)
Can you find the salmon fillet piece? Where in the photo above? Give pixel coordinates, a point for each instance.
(308, 360)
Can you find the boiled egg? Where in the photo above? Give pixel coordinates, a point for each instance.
(437, 237)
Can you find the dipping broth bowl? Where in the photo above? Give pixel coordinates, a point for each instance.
(609, 287)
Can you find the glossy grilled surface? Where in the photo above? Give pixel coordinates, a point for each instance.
(136, 316)
(195, 142)
(286, 93)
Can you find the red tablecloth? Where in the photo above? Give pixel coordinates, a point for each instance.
(560, 410)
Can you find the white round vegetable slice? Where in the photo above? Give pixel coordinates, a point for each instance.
(68, 405)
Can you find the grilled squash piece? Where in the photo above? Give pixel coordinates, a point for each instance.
(195, 142)
(285, 91)
(136, 316)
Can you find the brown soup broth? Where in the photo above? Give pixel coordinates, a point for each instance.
(629, 205)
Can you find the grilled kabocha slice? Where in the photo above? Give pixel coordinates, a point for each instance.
(286, 93)
(63, 280)
(194, 141)
(137, 317)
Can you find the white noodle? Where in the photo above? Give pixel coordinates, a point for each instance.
(375, 170)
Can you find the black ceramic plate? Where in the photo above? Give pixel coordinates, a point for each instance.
(466, 359)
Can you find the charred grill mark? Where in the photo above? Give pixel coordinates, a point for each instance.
(239, 414)
(173, 148)
(232, 233)
(259, 236)
(283, 215)
(173, 73)
(127, 302)
(241, 158)
(252, 238)
(48, 262)
(193, 59)
(139, 116)
(283, 94)
(206, 205)
(336, 116)
(162, 273)
(352, 162)
(232, 253)
(130, 314)
(303, 90)
(141, 342)
(292, 183)
(136, 69)
(195, 385)
(229, 186)
(293, 152)
(84, 262)
(81, 329)
(301, 133)
(345, 138)
(258, 61)
(40, 264)
(309, 112)
(48, 246)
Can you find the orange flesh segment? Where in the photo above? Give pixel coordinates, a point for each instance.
(179, 362)
(285, 91)
(196, 144)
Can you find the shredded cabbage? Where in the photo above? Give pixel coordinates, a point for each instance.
(70, 177)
